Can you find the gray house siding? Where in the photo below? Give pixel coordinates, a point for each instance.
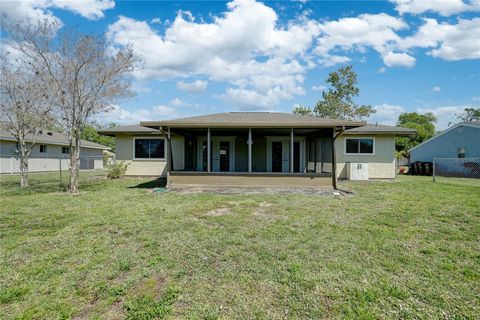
(446, 145)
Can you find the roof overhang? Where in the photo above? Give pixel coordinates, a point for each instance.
(384, 132)
(185, 125)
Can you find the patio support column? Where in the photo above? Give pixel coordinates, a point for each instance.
(170, 152)
(334, 160)
(291, 150)
(249, 150)
(209, 160)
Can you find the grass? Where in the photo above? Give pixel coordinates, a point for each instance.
(404, 249)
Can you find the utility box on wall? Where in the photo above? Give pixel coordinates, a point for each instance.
(357, 171)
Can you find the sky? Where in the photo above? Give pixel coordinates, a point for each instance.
(201, 57)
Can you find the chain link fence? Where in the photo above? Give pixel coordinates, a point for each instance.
(468, 168)
(49, 172)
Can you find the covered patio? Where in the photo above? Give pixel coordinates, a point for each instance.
(233, 151)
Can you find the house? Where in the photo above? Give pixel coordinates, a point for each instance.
(256, 149)
(50, 153)
(459, 141)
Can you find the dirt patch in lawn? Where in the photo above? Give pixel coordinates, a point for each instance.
(217, 212)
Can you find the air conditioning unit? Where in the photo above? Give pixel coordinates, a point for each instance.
(357, 171)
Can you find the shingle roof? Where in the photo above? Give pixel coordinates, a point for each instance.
(371, 128)
(253, 119)
(50, 137)
(135, 128)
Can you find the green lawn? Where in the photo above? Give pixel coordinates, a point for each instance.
(399, 249)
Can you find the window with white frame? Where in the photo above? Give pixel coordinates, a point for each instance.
(359, 145)
(43, 148)
(461, 152)
(149, 148)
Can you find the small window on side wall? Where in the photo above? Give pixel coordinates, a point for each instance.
(43, 148)
(359, 146)
(461, 152)
(65, 150)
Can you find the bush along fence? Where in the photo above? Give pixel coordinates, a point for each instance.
(50, 170)
(456, 167)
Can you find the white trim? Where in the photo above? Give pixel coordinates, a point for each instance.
(445, 131)
(150, 138)
(215, 141)
(358, 138)
(286, 140)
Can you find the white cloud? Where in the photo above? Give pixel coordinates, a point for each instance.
(375, 31)
(443, 7)
(392, 59)
(121, 115)
(176, 102)
(38, 9)
(252, 52)
(247, 100)
(448, 41)
(444, 115)
(332, 60)
(382, 70)
(436, 89)
(245, 47)
(156, 21)
(164, 112)
(386, 114)
(193, 87)
(319, 88)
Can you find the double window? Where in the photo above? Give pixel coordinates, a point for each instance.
(359, 146)
(150, 148)
(43, 148)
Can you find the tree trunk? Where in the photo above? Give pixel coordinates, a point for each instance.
(23, 171)
(74, 164)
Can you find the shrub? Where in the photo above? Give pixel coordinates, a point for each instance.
(117, 170)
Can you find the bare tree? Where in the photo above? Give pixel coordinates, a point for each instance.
(24, 109)
(85, 76)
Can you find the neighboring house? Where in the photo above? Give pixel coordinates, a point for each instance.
(256, 149)
(49, 153)
(460, 141)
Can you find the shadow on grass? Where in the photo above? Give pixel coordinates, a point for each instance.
(157, 183)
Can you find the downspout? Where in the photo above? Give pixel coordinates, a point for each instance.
(334, 157)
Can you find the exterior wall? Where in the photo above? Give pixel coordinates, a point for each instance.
(52, 160)
(149, 167)
(445, 146)
(381, 164)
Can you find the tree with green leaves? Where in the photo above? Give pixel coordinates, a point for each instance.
(301, 110)
(337, 101)
(423, 123)
(90, 133)
(469, 115)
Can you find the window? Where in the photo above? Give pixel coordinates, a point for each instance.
(43, 148)
(359, 146)
(461, 152)
(65, 149)
(149, 148)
